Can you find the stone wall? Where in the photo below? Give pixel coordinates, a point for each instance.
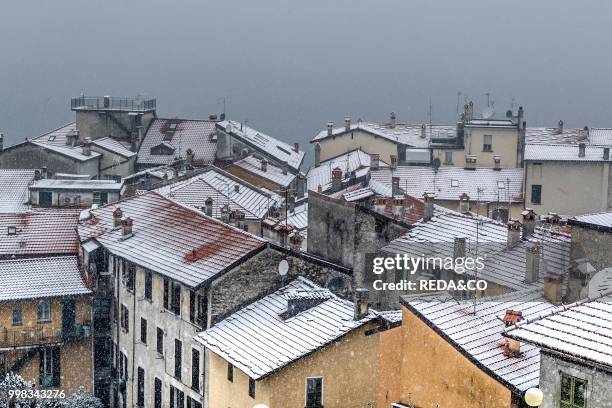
(31, 156)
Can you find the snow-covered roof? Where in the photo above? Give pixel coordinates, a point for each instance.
(55, 141)
(355, 160)
(14, 187)
(552, 135)
(503, 266)
(259, 341)
(478, 336)
(541, 152)
(491, 123)
(76, 185)
(39, 232)
(448, 183)
(37, 278)
(273, 173)
(265, 144)
(179, 135)
(221, 187)
(582, 330)
(602, 219)
(114, 146)
(169, 238)
(298, 218)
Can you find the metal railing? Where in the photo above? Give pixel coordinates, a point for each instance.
(37, 336)
(114, 103)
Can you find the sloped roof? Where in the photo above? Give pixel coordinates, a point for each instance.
(273, 173)
(355, 160)
(170, 238)
(55, 141)
(76, 185)
(582, 330)
(189, 134)
(14, 187)
(259, 342)
(479, 336)
(44, 232)
(265, 144)
(552, 135)
(37, 278)
(602, 219)
(114, 146)
(541, 152)
(448, 183)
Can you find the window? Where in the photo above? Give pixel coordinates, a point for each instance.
(160, 341)
(177, 398)
(487, 144)
(172, 297)
(123, 365)
(44, 311)
(536, 194)
(148, 289)
(158, 393)
(192, 306)
(251, 388)
(45, 198)
(178, 357)
(448, 157)
(143, 330)
(49, 368)
(141, 385)
(16, 317)
(191, 403)
(125, 318)
(314, 392)
(195, 369)
(573, 392)
(11, 230)
(129, 270)
(230, 372)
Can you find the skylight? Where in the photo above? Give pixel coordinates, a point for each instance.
(454, 183)
(12, 230)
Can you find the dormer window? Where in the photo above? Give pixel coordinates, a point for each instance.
(11, 230)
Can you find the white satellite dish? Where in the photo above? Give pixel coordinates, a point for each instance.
(283, 267)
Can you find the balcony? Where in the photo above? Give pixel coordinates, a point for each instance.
(41, 336)
(112, 103)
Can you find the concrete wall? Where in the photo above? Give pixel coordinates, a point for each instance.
(434, 372)
(505, 142)
(98, 124)
(592, 244)
(30, 156)
(112, 164)
(599, 383)
(348, 368)
(358, 139)
(566, 184)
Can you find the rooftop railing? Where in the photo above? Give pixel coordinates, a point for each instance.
(113, 103)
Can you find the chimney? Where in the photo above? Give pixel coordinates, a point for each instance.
(581, 149)
(319, 189)
(362, 306)
(347, 124)
(43, 172)
(295, 241)
(126, 228)
(429, 206)
(330, 128)
(553, 288)
(560, 127)
(106, 101)
(237, 188)
(395, 186)
(336, 179)
(317, 150)
(393, 161)
(520, 116)
(497, 162)
(117, 215)
(290, 202)
(284, 168)
(514, 233)
(512, 348)
(301, 184)
(208, 206)
(423, 131)
(392, 120)
(87, 146)
(374, 161)
(512, 317)
(529, 221)
(264, 165)
(296, 147)
(72, 137)
(532, 270)
(606, 152)
(1, 141)
(459, 247)
(464, 203)
(352, 177)
(190, 155)
(470, 161)
(37, 175)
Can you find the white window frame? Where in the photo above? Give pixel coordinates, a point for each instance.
(47, 309)
(306, 389)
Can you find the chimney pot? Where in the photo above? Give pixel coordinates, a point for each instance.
(336, 179)
(395, 186)
(393, 161)
(429, 206)
(532, 270)
(423, 131)
(514, 233)
(529, 221)
(374, 161)
(208, 206)
(362, 306)
(497, 161)
(126, 228)
(264, 165)
(347, 124)
(330, 128)
(236, 188)
(581, 149)
(87, 146)
(560, 127)
(464, 203)
(117, 215)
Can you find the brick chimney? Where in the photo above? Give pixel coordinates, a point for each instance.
(126, 228)
(392, 120)
(317, 150)
(553, 288)
(514, 233)
(529, 221)
(117, 215)
(532, 259)
(374, 161)
(336, 179)
(347, 124)
(429, 206)
(330, 128)
(362, 303)
(512, 347)
(87, 146)
(264, 165)
(581, 149)
(464, 203)
(208, 206)
(395, 186)
(497, 162)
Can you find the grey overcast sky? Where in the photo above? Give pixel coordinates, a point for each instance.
(290, 66)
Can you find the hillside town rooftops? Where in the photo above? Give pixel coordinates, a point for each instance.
(449, 183)
(224, 189)
(259, 340)
(562, 135)
(76, 185)
(478, 336)
(582, 330)
(33, 233)
(168, 139)
(37, 278)
(57, 141)
(355, 160)
(170, 238)
(114, 146)
(273, 173)
(265, 144)
(565, 153)
(14, 187)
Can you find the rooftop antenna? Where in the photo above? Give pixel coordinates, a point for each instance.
(488, 95)
(430, 114)
(458, 101)
(478, 221)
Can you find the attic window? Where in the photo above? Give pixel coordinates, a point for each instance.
(51, 138)
(172, 126)
(454, 183)
(501, 185)
(11, 230)
(168, 135)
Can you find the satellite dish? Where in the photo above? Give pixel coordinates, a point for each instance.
(283, 267)
(488, 113)
(436, 163)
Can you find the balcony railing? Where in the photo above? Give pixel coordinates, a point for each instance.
(33, 337)
(113, 103)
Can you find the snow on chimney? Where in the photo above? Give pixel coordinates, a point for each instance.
(395, 186)
(532, 259)
(87, 147)
(347, 124)
(208, 206)
(514, 233)
(423, 131)
(336, 179)
(393, 161)
(497, 162)
(330, 128)
(429, 206)
(374, 161)
(464, 203)
(529, 221)
(126, 228)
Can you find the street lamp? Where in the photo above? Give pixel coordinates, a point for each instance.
(534, 397)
